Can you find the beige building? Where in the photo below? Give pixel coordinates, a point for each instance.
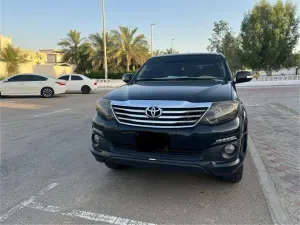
(4, 41)
(34, 57)
(53, 56)
(45, 61)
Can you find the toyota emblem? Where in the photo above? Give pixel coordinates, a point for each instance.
(153, 112)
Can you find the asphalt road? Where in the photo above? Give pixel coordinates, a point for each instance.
(49, 176)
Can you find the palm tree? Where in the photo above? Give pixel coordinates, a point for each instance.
(97, 55)
(13, 58)
(157, 52)
(170, 51)
(134, 48)
(76, 50)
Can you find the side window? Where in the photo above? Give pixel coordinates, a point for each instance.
(64, 77)
(39, 78)
(28, 78)
(76, 77)
(18, 78)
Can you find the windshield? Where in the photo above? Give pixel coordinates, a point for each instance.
(181, 67)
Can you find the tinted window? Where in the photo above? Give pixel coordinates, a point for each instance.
(16, 78)
(38, 78)
(184, 66)
(64, 78)
(76, 77)
(28, 78)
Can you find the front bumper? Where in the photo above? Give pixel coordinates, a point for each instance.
(190, 148)
(141, 161)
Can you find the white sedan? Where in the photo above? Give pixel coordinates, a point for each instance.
(32, 84)
(78, 82)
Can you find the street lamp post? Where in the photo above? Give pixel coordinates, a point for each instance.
(151, 48)
(104, 40)
(172, 45)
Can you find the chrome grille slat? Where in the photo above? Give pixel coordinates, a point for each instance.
(174, 115)
(130, 110)
(157, 121)
(161, 117)
(165, 111)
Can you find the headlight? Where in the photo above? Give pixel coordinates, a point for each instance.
(104, 109)
(221, 111)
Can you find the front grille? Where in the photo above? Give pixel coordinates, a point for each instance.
(170, 117)
(173, 151)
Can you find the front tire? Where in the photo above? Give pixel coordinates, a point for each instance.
(85, 89)
(47, 92)
(236, 177)
(115, 166)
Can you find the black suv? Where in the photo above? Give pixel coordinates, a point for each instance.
(178, 111)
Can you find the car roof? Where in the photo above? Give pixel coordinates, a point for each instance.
(190, 54)
(74, 74)
(43, 75)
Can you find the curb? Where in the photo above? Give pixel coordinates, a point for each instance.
(277, 210)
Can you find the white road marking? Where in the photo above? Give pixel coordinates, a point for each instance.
(86, 215)
(57, 111)
(26, 202)
(286, 113)
(253, 105)
(11, 101)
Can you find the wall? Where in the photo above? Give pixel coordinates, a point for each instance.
(45, 69)
(283, 71)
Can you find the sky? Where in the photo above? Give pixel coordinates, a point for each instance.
(40, 24)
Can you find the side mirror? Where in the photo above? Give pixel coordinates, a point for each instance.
(243, 76)
(127, 77)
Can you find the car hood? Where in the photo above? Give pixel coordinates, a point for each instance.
(195, 91)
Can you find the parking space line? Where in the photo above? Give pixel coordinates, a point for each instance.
(57, 111)
(27, 202)
(253, 105)
(86, 215)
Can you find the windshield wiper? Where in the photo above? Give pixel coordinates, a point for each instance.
(196, 78)
(179, 78)
(152, 79)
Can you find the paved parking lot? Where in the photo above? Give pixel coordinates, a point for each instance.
(274, 124)
(49, 176)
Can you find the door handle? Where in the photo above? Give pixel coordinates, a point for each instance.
(21, 84)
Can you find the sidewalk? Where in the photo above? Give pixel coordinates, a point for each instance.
(269, 83)
(275, 132)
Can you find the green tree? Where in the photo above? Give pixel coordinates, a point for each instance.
(170, 51)
(233, 52)
(97, 55)
(293, 60)
(84, 62)
(13, 58)
(269, 35)
(217, 41)
(157, 52)
(76, 51)
(224, 41)
(130, 47)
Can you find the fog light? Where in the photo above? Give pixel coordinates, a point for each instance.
(229, 149)
(96, 138)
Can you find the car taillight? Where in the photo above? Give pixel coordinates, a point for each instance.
(95, 83)
(60, 83)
